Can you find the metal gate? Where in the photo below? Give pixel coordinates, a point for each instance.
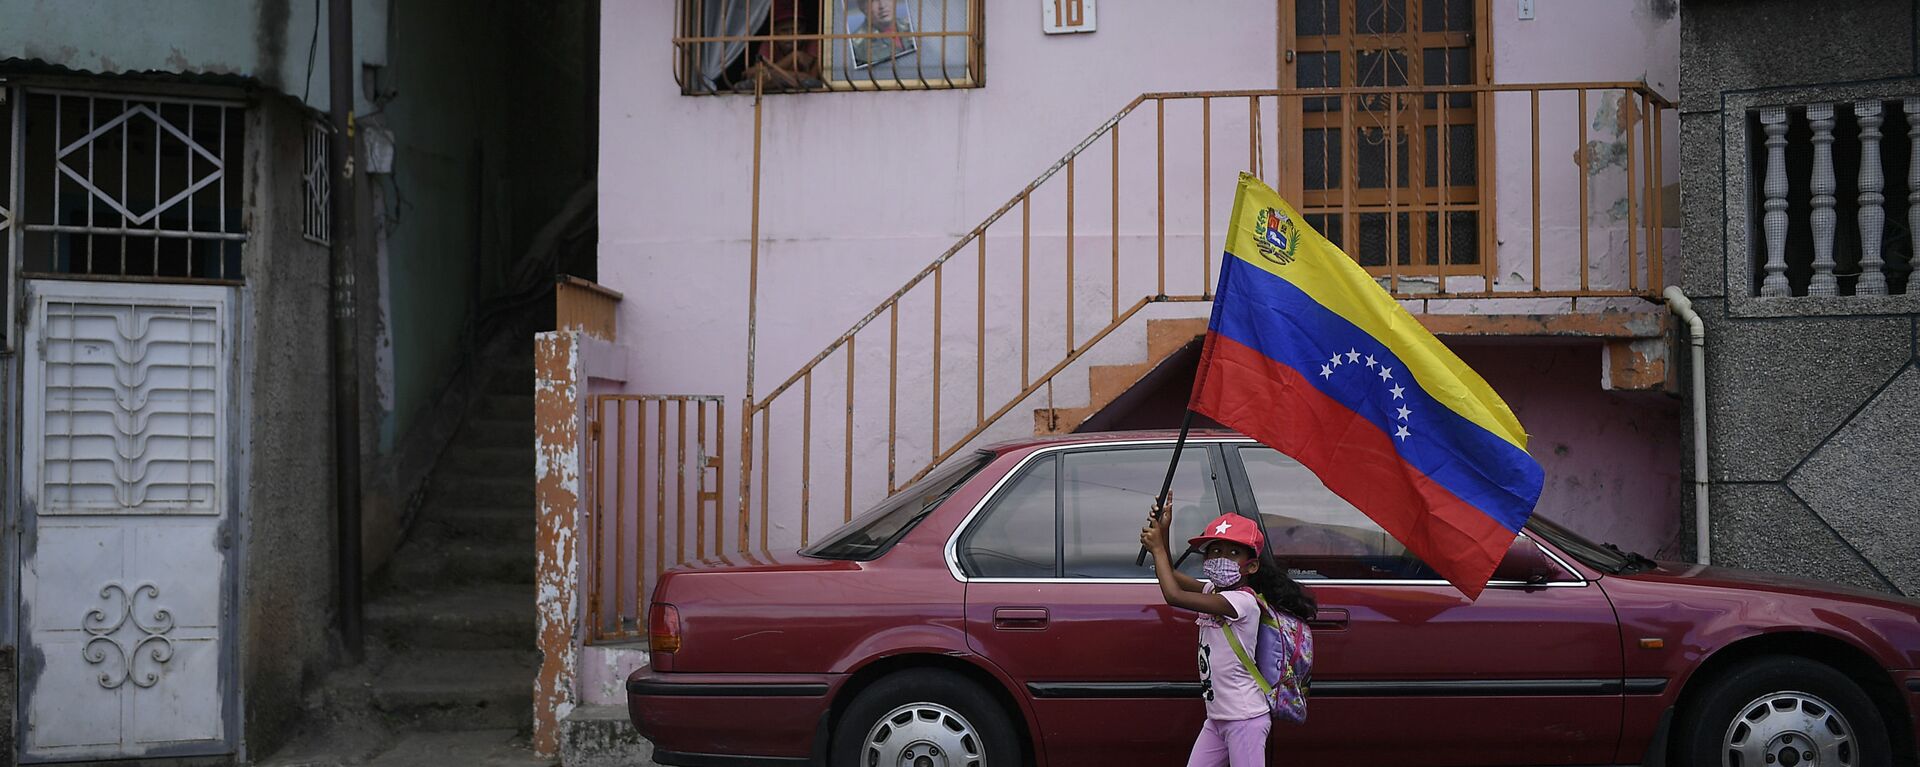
(654, 499)
(125, 569)
(123, 243)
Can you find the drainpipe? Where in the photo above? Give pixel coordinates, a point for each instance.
(1683, 308)
(346, 361)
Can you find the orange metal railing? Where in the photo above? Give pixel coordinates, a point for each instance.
(1558, 272)
(1409, 226)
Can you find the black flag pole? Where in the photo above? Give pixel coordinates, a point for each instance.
(1166, 485)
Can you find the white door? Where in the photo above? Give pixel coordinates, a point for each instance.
(126, 571)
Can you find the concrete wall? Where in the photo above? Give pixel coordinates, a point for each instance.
(287, 594)
(1809, 416)
(264, 40)
(862, 190)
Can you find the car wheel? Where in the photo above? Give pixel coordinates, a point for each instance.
(925, 718)
(1783, 711)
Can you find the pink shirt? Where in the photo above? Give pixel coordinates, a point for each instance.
(1225, 685)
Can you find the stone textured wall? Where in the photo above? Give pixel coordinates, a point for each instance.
(1811, 448)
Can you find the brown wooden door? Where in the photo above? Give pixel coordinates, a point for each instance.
(1374, 169)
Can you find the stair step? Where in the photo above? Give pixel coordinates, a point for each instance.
(1164, 337)
(464, 561)
(450, 521)
(470, 491)
(1060, 420)
(458, 690)
(471, 748)
(517, 406)
(485, 616)
(469, 460)
(1107, 382)
(497, 432)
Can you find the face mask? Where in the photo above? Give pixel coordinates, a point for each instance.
(1223, 572)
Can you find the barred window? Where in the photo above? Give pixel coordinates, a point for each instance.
(789, 46)
(121, 186)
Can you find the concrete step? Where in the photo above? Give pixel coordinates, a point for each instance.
(471, 491)
(478, 748)
(458, 690)
(464, 460)
(515, 406)
(472, 617)
(449, 521)
(602, 736)
(513, 378)
(1165, 337)
(496, 432)
(469, 560)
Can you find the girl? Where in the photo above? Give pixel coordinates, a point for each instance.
(1236, 558)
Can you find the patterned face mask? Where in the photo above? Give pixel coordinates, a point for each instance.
(1223, 572)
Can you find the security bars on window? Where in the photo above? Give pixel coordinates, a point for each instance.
(319, 222)
(126, 187)
(792, 46)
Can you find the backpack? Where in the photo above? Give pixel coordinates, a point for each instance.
(1281, 663)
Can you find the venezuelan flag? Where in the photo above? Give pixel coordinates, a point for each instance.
(1306, 353)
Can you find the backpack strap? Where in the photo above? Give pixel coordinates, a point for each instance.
(1240, 651)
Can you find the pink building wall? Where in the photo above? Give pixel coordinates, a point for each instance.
(862, 190)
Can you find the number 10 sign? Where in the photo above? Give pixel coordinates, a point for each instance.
(1063, 17)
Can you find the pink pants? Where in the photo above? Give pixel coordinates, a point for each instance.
(1231, 744)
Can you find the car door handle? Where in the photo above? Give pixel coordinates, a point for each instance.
(1329, 619)
(1020, 618)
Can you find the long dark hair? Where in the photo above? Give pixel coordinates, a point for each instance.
(1281, 590)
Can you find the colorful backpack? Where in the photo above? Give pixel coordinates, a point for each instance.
(1282, 662)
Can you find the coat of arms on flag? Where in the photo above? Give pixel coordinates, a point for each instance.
(1274, 234)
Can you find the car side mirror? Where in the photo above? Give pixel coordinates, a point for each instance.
(1526, 563)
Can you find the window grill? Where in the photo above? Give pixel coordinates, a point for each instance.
(318, 226)
(126, 187)
(797, 46)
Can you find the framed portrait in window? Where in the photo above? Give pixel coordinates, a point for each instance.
(903, 43)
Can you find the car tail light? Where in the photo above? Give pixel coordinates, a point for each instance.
(663, 628)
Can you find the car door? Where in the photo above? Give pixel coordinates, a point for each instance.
(1406, 669)
(1055, 599)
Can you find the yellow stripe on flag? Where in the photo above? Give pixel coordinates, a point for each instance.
(1331, 278)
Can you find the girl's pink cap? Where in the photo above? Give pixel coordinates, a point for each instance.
(1231, 528)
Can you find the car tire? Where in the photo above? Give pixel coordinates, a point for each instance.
(1774, 705)
(932, 713)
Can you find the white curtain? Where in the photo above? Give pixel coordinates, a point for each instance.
(728, 18)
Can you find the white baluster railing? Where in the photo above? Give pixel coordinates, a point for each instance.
(1872, 215)
(1823, 283)
(1774, 122)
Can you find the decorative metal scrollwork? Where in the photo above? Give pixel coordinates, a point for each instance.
(152, 644)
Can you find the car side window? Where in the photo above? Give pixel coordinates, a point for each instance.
(1105, 495)
(1316, 534)
(1015, 537)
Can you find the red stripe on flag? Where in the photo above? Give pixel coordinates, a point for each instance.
(1273, 403)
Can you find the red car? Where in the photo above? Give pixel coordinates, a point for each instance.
(992, 614)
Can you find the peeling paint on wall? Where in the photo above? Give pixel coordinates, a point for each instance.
(556, 409)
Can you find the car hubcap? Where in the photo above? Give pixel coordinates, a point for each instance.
(922, 735)
(1789, 729)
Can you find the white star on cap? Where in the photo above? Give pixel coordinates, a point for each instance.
(1402, 433)
(1396, 391)
(1370, 362)
(1353, 355)
(1385, 372)
(1404, 412)
(1335, 361)
(1222, 529)
(1325, 371)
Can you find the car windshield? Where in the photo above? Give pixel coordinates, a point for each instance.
(1602, 557)
(873, 532)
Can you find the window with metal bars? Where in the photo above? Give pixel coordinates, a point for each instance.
(798, 46)
(1414, 153)
(132, 187)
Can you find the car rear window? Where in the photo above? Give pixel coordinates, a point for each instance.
(876, 530)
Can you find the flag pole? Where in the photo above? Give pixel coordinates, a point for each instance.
(1166, 485)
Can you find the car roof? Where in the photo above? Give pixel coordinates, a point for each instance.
(1095, 438)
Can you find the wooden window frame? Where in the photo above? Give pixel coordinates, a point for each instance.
(1349, 202)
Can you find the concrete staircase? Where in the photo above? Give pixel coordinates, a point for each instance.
(1105, 383)
(451, 654)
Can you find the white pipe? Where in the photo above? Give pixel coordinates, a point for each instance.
(1683, 308)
